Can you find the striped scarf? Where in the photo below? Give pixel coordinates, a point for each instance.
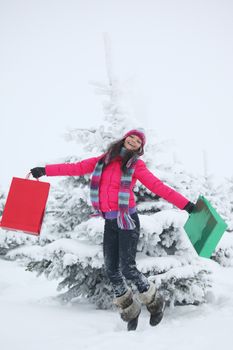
(124, 219)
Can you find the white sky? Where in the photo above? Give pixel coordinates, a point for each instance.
(177, 54)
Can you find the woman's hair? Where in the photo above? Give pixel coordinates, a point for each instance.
(114, 149)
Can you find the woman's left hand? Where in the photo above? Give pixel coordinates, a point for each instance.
(189, 207)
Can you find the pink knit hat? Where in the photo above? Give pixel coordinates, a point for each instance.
(138, 132)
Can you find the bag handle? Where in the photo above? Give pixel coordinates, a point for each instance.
(28, 175)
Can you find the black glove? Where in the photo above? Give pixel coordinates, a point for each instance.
(38, 172)
(189, 207)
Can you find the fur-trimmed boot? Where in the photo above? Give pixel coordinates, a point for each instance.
(155, 304)
(129, 309)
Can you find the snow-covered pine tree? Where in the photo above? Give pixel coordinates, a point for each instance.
(224, 202)
(224, 251)
(164, 252)
(2, 201)
(66, 207)
(221, 197)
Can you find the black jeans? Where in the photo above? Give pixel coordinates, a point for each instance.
(120, 247)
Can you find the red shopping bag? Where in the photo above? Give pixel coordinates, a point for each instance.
(25, 206)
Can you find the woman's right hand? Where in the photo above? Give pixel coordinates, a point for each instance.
(38, 172)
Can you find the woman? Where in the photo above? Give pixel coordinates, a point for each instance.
(114, 175)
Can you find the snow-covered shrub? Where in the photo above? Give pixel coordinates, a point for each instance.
(224, 251)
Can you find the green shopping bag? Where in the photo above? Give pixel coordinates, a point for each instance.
(204, 227)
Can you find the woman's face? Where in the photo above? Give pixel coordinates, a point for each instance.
(132, 143)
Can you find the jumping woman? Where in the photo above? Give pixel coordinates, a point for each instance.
(114, 175)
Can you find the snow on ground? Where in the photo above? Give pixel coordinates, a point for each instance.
(32, 319)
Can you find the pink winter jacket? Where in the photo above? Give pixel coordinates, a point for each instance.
(110, 181)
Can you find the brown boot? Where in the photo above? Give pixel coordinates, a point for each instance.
(155, 304)
(129, 309)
